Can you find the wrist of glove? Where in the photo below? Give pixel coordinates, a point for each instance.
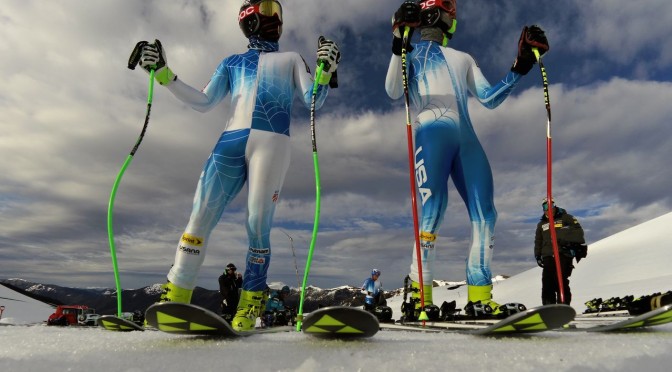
(153, 57)
(531, 37)
(398, 44)
(540, 262)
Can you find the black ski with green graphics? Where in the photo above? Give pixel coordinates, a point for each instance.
(621, 321)
(192, 320)
(340, 322)
(337, 322)
(539, 319)
(114, 323)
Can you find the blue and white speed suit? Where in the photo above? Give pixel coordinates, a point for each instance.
(254, 148)
(439, 81)
(373, 289)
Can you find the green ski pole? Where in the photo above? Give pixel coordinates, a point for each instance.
(132, 62)
(316, 222)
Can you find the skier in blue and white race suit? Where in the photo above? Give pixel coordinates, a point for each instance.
(275, 312)
(439, 81)
(254, 147)
(373, 290)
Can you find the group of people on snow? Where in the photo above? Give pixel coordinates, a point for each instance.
(254, 149)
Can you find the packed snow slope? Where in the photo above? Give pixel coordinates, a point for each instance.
(20, 309)
(634, 262)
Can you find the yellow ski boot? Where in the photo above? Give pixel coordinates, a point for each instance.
(172, 293)
(482, 294)
(250, 306)
(431, 311)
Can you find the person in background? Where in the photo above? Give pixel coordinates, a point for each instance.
(373, 290)
(230, 283)
(571, 245)
(277, 313)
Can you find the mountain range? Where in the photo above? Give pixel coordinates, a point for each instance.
(104, 300)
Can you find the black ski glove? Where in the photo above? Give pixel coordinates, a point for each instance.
(540, 262)
(530, 37)
(153, 57)
(408, 14)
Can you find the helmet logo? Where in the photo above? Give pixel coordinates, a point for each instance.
(448, 6)
(247, 11)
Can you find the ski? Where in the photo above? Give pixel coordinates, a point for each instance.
(539, 319)
(618, 323)
(340, 322)
(114, 323)
(605, 315)
(188, 319)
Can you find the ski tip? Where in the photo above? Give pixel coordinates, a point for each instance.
(117, 324)
(423, 316)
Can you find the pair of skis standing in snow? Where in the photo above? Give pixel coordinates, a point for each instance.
(254, 148)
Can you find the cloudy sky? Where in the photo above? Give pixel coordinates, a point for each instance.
(70, 112)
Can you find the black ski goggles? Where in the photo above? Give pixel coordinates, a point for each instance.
(267, 8)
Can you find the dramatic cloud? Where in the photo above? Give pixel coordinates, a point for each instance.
(70, 112)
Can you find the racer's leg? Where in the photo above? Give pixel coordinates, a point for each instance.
(223, 176)
(269, 158)
(436, 145)
(473, 179)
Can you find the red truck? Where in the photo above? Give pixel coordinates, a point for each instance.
(73, 315)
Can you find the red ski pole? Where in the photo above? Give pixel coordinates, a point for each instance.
(549, 178)
(411, 165)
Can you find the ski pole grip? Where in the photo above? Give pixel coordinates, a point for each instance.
(136, 54)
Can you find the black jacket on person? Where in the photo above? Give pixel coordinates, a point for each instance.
(569, 234)
(228, 288)
(568, 231)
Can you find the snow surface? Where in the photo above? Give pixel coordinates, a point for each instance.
(634, 261)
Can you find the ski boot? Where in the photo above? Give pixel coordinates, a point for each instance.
(511, 308)
(172, 293)
(432, 311)
(480, 301)
(612, 304)
(449, 311)
(250, 307)
(593, 306)
(647, 303)
(478, 309)
(383, 313)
